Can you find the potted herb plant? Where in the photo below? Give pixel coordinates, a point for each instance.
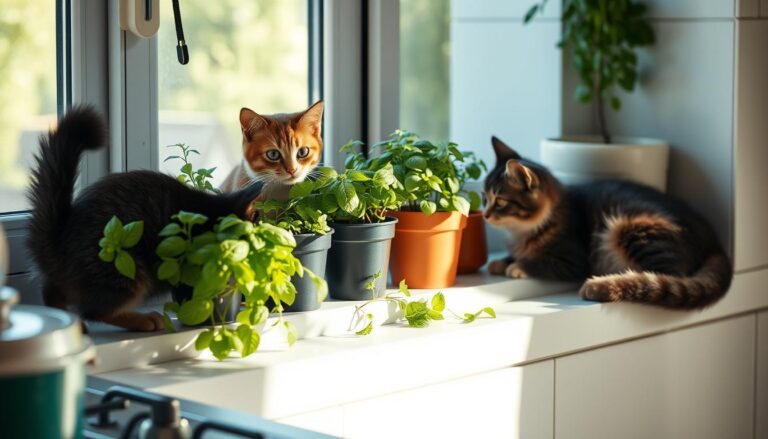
(300, 216)
(356, 203)
(602, 38)
(234, 258)
(434, 212)
(474, 248)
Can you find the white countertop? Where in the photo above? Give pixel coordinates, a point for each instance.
(331, 366)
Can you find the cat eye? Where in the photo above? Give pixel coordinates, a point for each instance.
(302, 152)
(501, 203)
(273, 155)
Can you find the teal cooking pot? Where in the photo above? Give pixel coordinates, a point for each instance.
(43, 353)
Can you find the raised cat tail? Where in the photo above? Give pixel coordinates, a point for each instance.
(53, 178)
(702, 288)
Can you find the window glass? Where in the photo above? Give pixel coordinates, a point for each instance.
(424, 67)
(242, 54)
(27, 91)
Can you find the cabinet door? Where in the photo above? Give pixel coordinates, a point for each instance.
(694, 383)
(510, 403)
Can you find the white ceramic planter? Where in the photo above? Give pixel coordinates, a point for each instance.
(580, 159)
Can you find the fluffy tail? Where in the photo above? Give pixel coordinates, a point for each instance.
(703, 288)
(53, 178)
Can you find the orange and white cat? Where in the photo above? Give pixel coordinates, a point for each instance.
(278, 150)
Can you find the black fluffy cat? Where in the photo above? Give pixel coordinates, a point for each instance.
(627, 242)
(64, 234)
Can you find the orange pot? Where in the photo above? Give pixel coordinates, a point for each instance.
(474, 249)
(425, 250)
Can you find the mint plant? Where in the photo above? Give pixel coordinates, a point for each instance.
(118, 238)
(417, 313)
(196, 178)
(602, 36)
(471, 168)
(236, 256)
(353, 196)
(429, 174)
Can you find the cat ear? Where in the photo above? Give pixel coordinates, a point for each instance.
(312, 119)
(521, 175)
(250, 122)
(503, 152)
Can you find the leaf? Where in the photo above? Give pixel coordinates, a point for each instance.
(250, 339)
(113, 231)
(488, 310)
(167, 269)
(403, 287)
(276, 235)
(203, 340)
(132, 234)
(531, 13)
(170, 229)
(346, 197)
(168, 324)
(412, 182)
(438, 302)
(190, 218)
(453, 185)
(220, 347)
(107, 254)
(187, 168)
(615, 103)
(416, 314)
(234, 250)
(434, 315)
(368, 328)
(195, 311)
(125, 264)
(171, 247)
(293, 334)
(461, 204)
(302, 189)
(427, 207)
(469, 318)
(356, 175)
(416, 162)
(475, 201)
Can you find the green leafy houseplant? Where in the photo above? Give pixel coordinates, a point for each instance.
(236, 256)
(428, 174)
(471, 168)
(196, 178)
(602, 36)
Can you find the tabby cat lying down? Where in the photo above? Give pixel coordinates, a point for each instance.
(627, 242)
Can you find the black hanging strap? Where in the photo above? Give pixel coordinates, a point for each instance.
(181, 46)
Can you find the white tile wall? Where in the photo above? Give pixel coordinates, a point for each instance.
(685, 96)
(694, 383)
(751, 146)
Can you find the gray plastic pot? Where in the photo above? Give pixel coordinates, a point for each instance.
(312, 251)
(357, 253)
(225, 308)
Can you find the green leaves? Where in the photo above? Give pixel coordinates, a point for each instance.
(367, 328)
(469, 318)
(195, 311)
(419, 175)
(117, 238)
(603, 38)
(195, 178)
(346, 196)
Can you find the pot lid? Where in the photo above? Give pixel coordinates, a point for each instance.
(37, 338)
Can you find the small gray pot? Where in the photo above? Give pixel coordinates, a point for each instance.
(357, 253)
(312, 251)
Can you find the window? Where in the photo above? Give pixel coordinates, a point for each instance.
(242, 54)
(424, 67)
(27, 92)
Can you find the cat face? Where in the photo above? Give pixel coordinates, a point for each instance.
(519, 194)
(282, 148)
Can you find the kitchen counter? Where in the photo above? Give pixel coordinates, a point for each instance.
(331, 367)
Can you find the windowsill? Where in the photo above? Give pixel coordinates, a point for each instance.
(536, 321)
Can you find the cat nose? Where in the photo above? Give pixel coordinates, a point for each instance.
(292, 171)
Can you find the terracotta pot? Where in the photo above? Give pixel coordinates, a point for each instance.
(425, 251)
(474, 249)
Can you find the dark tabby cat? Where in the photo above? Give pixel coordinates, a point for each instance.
(64, 234)
(629, 242)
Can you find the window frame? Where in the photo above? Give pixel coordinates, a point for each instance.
(81, 76)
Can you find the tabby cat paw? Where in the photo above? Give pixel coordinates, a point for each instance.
(515, 271)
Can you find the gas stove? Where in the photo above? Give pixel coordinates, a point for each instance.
(127, 412)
